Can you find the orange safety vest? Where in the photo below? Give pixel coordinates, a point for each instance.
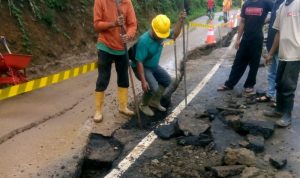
(227, 5)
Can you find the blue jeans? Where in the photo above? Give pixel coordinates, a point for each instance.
(157, 76)
(272, 70)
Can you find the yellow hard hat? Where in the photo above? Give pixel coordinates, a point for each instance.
(161, 26)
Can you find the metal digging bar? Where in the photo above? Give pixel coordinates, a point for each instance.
(184, 58)
(175, 55)
(130, 71)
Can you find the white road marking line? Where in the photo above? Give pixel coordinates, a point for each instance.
(149, 139)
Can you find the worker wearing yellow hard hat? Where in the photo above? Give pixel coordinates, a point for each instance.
(161, 26)
(145, 61)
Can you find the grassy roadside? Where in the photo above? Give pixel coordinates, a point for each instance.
(71, 21)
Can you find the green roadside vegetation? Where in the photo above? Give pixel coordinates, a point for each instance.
(47, 12)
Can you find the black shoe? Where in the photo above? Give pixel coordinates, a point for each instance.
(285, 121)
(273, 113)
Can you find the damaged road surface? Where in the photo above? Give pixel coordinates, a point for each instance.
(48, 134)
(218, 134)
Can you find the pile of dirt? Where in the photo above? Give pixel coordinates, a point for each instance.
(188, 161)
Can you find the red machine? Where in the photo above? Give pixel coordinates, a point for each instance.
(12, 66)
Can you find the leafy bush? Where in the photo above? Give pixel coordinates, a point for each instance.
(48, 17)
(57, 4)
(46, 11)
(147, 9)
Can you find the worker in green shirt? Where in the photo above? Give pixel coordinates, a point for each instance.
(154, 79)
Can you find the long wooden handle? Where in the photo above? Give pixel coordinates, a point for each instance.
(123, 32)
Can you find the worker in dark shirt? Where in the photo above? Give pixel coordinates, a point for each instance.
(248, 44)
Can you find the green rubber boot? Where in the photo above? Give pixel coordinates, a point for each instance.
(144, 106)
(155, 100)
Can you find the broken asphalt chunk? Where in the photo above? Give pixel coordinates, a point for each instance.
(257, 127)
(193, 127)
(212, 113)
(102, 149)
(230, 111)
(278, 163)
(201, 140)
(168, 131)
(233, 121)
(256, 143)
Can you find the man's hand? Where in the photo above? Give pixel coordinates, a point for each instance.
(120, 21)
(268, 59)
(182, 16)
(145, 86)
(125, 38)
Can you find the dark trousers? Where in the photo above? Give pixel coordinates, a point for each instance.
(225, 16)
(249, 53)
(105, 61)
(286, 79)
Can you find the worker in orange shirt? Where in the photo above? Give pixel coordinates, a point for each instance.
(226, 8)
(110, 48)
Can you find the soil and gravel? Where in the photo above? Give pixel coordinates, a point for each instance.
(165, 158)
(231, 116)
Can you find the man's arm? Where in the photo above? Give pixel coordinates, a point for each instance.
(275, 44)
(140, 70)
(274, 48)
(131, 22)
(240, 33)
(100, 24)
(140, 56)
(178, 25)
